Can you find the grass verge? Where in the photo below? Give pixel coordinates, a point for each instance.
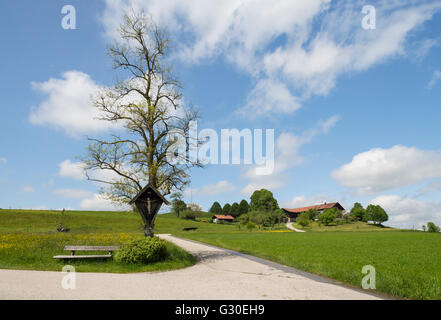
(35, 252)
(407, 263)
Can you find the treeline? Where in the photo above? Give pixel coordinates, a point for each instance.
(373, 213)
(235, 209)
(262, 211)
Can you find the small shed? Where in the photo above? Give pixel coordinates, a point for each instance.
(218, 217)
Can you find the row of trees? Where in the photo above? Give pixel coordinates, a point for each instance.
(235, 209)
(327, 217)
(262, 210)
(374, 213)
(262, 219)
(261, 200)
(431, 227)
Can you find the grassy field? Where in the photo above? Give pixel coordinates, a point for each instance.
(408, 263)
(353, 226)
(28, 240)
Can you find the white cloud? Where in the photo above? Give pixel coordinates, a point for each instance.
(269, 97)
(212, 189)
(293, 49)
(73, 193)
(68, 104)
(435, 78)
(28, 189)
(432, 186)
(380, 169)
(405, 212)
(423, 47)
(98, 202)
(76, 170)
(216, 26)
(342, 46)
(3, 160)
(73, 170)
(287, 155)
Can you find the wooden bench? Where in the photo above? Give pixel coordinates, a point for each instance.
(73, 249)
(189, 229)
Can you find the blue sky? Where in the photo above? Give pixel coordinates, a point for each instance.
(288, 66)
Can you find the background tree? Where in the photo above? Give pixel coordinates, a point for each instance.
(271, 218)
(431, 227)
(376, 214)
(258, 218)
(226, 209)
(244, 207)
(216, 208)
(178, 205)
(147, 104)
(235, 209)
(281, 216)
(263, 200)
(313, 214)
(303, 219)
(357, 212)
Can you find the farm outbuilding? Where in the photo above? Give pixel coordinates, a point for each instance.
(217, 218)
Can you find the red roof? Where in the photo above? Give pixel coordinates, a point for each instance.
(219, 216)
(316, 207)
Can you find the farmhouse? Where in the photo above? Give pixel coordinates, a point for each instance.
(292, 214)
(218, 218)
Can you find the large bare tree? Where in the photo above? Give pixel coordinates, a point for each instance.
(145, 105)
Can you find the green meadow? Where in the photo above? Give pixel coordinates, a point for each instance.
(29, 240)
(407, 263)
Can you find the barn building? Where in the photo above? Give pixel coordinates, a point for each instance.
(292, 214)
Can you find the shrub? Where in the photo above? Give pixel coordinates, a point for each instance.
(303, 219)
(243, 219)
(191, 215)
(142, 251)
(250, 226)
(327, 217)
(313, 214)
